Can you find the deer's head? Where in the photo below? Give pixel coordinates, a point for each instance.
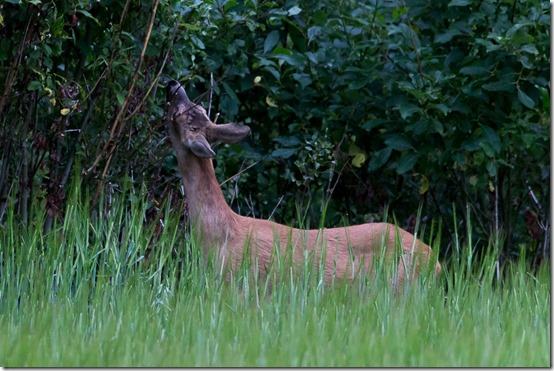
(190, 129)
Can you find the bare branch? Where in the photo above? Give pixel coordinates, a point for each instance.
(237, 174)
(211, 93)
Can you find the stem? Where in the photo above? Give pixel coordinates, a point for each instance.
(155, 81)
(71, 155)
(118, 122)
(211, 93)
(107, 73)
(419, 67)
(24, 175)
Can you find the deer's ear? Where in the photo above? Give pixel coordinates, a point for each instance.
(227, 133)
(200, 147)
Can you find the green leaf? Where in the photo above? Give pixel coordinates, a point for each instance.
(398, 142)
(424, 185)
(88, 15)
(373, 124)
(199, 43)
(229, 4)
(274, 72)
(474, 70)
(120, 98)
(289, 141)
(358, 155)
(491, 168)
(472, 144)
(313, 32)
(292, 58)
(499, 86)
(280, 51)
(492, 137)
(303, 78)
(34, 85)
(284, 152)
(447, 36)
(229, 105)
(406, 162)
(460, 3)
(407, 110)
(438, 126)
(379, 158)
(522, 38)
(270, 102)
(294, 11)
(529, 48)
(230, 92)
(357, 84)
(443, 108)
(525, 99)
(271, 41)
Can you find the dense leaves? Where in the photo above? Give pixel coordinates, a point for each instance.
(443, 105)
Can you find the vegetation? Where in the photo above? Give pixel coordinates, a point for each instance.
(437, 112)
(100, 299)
(362, 104)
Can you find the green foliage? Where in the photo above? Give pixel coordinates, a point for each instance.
(355, 105)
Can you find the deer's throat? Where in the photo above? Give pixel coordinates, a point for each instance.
(206, 205)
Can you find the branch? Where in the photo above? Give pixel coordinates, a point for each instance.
(155, 81)
(419, 67)
(211, 93)
(237, 174)
(117, 125)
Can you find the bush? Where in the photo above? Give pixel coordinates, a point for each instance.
(359, 104)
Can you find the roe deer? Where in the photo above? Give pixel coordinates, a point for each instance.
(346, 249)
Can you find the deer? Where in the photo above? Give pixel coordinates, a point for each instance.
(339, 251)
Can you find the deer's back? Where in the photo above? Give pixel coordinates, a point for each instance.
(344, 248)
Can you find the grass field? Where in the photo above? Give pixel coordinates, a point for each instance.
(83, 295)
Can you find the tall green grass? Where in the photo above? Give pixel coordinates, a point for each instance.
(85, 295)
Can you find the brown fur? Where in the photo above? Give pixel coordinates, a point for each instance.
(347, 249)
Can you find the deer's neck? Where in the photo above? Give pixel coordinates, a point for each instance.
(207, 206)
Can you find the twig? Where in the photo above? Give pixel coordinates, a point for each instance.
(420, 69)
(118, 122)
(331, 189)
(96, 84)
(276, 206)
(107, 71)
(211, 92)
(534, 197)
(127, 100)
(155, 81)
(251, 205)
(545, 226)
(118, 119)
(237, 174)
(73, 149)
